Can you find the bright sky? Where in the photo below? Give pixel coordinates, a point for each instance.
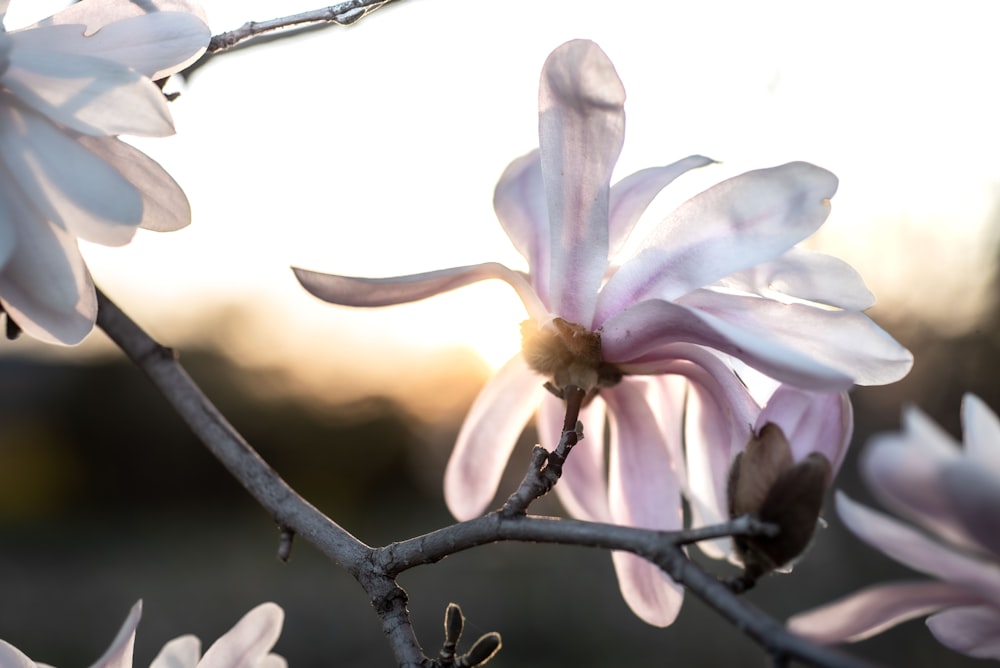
(374, 151)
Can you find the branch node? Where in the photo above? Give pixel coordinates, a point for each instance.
(285, 539)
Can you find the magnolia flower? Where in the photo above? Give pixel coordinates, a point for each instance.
(952, 493)
(68, 86)
(701, 287)
(246, 645)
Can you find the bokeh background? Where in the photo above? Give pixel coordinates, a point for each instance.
(374, 151)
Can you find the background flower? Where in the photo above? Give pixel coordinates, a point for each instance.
(952, 493)
(68, 86)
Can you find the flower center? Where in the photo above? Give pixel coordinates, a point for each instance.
(569, 355)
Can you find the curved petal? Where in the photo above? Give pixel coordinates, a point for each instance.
(973, 630)
(272, 661)
(155, 45)
(741, 222)
(488, 435)
(581, 128)
(95, 14)
(355, 291)
(974, 495)
(982, 433)
(583, 487)
(631, 196)
(248, 641)
(917, 551)
(820, 422)
(182, 652)
(643, 492)
(119, 655)
(520, 205)
(876, 609)
(844, 340)
(165, 207)
(90, 95)
(10, 656)
(635, 337)
(65, 182)
(808, 275)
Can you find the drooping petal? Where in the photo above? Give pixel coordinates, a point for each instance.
(182, 652)
(90, 95)
(583, 487)
(65, 182)
(982, 433)
(165, 207)
(631, 196)
(643, 492)
(972, 630)
(519, 201)
(808, 275)
(820, 422)
(741, 222)
(917, 551)
(248, 641)
(10, 656)
(581, 130)
(871, 611)
(633, 338)
(355, 291)
(844, 340)
(488, 435)
(119, 654)
(155, 45)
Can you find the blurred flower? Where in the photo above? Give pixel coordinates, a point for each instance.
(953, 493)
(68, 86)
(702, 286)
(246, 645)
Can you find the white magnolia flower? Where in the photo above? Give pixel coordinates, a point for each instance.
(68, 86)
(246, 645)
(953, 494)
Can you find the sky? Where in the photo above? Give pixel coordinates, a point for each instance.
(374, 150)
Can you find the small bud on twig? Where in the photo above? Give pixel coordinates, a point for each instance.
(482, 651)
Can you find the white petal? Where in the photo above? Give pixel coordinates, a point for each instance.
(820, 422)
(973, 630)
(519, 201)
(876, 609)
(581, 129)
(10, 656)
(90, 95)
(182, 652)
(354, 291)
(248, 641)
(119, 655)
(488, 435)
(982, 433)
(95, 14)
(741, 222)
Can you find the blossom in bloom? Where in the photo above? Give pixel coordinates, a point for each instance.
(246, 645)
(952, 493)
(704, 285)
(68, 86)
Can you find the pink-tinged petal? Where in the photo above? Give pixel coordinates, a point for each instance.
(519, 201)
(974, 495)
(119, 655)
(355, 291)
(165, 207)
(95, 14)
(876, 609)
(583, 487)
(820, 422)
(631, 196)
(182, 652)
(635, 338)
(8, 214)
(10, 656)
(807, 275)
(272, 661)
(581, 130)
(66, 183)
(847, 341)
(249, 641)
(741, 222)
(90, 95)
(973, 630)
(488, 435)
(643, 492)
(982, 433)
(45, 287)
(917, 551)
(926, 436)
(155, 45)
